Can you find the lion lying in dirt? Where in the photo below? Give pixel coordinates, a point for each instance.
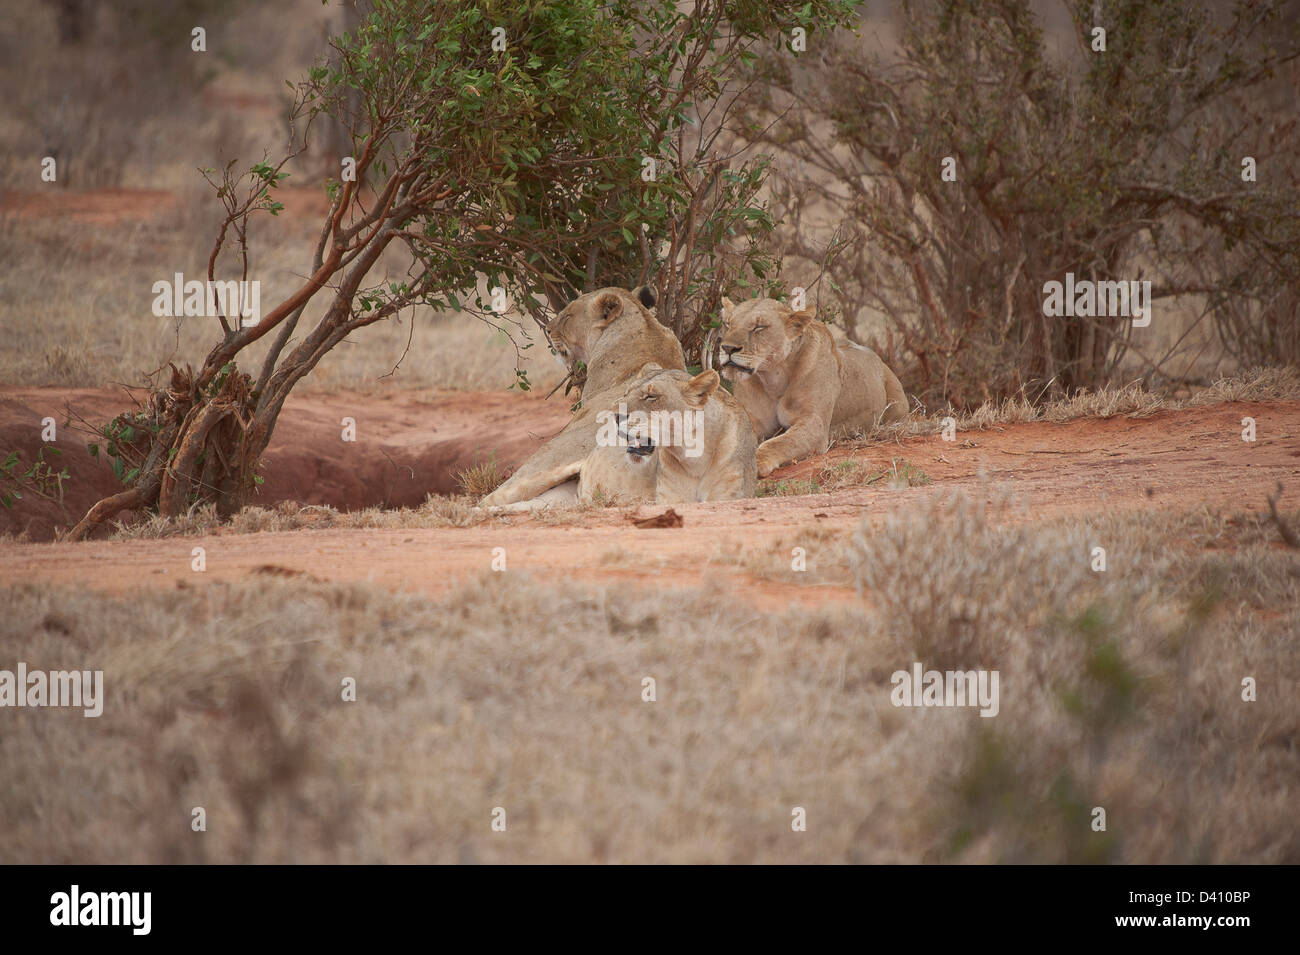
(675, 438)
(799, 388)
(698, 436)
(613, 333)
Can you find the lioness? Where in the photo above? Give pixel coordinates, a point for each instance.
(613, 332)
(798, 387)
(675, 438)
(699, 436)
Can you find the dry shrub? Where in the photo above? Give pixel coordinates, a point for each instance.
(928, 571)
(848, 473)
(1120, 689)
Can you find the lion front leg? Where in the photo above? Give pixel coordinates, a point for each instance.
(526, 487)
(806, 436)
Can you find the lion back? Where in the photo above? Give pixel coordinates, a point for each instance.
(869, 391)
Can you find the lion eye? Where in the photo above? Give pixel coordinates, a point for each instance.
(759, 328)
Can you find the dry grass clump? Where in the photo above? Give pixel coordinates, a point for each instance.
(574, 513)
(849, 473)
(1120, 689)
(481, 479)
(436, 511)
(1259, 384)
(786, 487)
(1131, 400)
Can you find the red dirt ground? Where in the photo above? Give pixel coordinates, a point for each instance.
(407, 446)
(1173, 459)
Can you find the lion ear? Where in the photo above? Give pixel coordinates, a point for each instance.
(728, 306)
(796, 322)
(646, 295)
(697, 390)
(608, 307)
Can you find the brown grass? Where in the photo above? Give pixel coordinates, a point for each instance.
(1119, 690)
(1260, 384)
(436, 511)
(1131, 400)
(1124, 686)
(481, 479)
(76, 306)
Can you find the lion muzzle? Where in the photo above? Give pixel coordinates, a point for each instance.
(641, 450)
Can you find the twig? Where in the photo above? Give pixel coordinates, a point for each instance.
(563, 381)
(1044, 451)
(1288, 535)
(397, 466)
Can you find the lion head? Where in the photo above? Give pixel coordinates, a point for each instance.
(614, 334)
(577, 331)
(757, 334)
(663, 408)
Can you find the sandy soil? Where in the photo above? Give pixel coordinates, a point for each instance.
(1177, 459)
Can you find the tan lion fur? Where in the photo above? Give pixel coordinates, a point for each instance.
(724, 467)
(799, 388)
(614, 335)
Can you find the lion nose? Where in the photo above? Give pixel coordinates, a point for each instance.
(728, 349)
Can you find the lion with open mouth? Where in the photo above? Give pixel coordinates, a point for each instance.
(614, 334)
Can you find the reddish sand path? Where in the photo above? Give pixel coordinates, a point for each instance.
(1178, 459)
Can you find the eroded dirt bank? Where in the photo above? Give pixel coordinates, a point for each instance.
(407, 446)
